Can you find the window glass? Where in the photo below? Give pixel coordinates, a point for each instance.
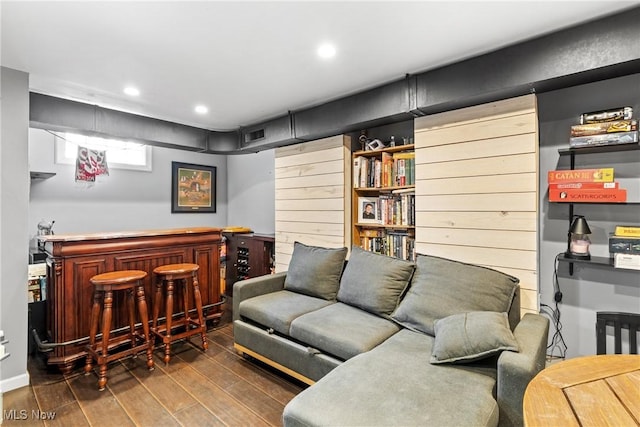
(120, 154)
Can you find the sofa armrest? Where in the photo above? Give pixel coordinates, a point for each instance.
(515, 370)
(255, 286)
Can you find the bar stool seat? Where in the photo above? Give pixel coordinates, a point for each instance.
(104, 285)
(171, 276)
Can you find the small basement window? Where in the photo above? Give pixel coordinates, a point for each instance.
(120, 154)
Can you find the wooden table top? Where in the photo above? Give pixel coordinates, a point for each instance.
(601, 390)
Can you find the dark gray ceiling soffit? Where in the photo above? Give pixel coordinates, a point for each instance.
(63, 115)
(277, 132)
(602, 49)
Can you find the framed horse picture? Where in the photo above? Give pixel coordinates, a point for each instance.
(193, 188)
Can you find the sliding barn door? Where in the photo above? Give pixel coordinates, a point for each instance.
(476, 188)
(313, 196)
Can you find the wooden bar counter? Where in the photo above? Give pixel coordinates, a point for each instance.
(73, 259)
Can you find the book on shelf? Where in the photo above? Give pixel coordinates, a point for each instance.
(405, 164)
(604, 139)
(397, 209)
(627, 231)
(391, 243)
(377, 173)
(585, 185)
(389, 170)
(620, 113)
(370, 232)
(624, 245)
(603, 128)
(580, 175)
(400, 245)
(628, 261)
(572, 195)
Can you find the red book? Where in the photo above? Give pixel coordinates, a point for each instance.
(580, 175)
(585, 185)
(574, 195)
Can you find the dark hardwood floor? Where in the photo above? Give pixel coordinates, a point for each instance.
(213, 388)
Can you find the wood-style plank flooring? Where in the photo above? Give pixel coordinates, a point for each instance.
(213, 388)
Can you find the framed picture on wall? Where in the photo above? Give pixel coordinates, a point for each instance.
(193, 188)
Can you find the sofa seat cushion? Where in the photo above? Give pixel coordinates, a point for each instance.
(394, 384)
(441, 287)
(277, 310)
(341, 330)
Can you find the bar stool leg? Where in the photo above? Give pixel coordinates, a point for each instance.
(132, 319)
(106, 331)
(169, 314)
(185, 305)
(144, 318)
(198, 298)
(157, 298)
(95, 318)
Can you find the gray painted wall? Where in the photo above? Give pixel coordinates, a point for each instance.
(124, 200)
(14, 200)
(251, 191)
(591, 288)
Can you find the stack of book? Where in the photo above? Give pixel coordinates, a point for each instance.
(398, 208)
(585, 186)
(390, 170)
(611, 127)
(394, 243)
(624, 247)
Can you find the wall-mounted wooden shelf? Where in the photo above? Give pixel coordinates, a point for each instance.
(41, 175)
(597, 261)
(598, 149)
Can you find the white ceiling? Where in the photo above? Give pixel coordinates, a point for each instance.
(251, 61)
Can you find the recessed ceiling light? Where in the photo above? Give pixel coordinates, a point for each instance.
(131, 91)
(326, 51)
(201, 109)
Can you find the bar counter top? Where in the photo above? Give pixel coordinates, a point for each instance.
(125, 234)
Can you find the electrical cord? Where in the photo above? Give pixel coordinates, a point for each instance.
(557, 341)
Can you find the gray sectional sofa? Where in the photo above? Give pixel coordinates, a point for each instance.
(389, 342)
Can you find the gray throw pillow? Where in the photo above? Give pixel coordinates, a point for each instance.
(467, 337)
(374, 282)
(441, 287)
(315, 271)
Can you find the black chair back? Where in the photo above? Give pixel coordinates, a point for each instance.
(630, 321)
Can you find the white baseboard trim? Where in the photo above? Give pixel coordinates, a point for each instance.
(13, 383)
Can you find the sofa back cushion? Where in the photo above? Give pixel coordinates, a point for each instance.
(441, 287)
(315, 271)
(374, 282)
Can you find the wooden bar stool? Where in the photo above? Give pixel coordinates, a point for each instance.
(169, 276)
(104, 285)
